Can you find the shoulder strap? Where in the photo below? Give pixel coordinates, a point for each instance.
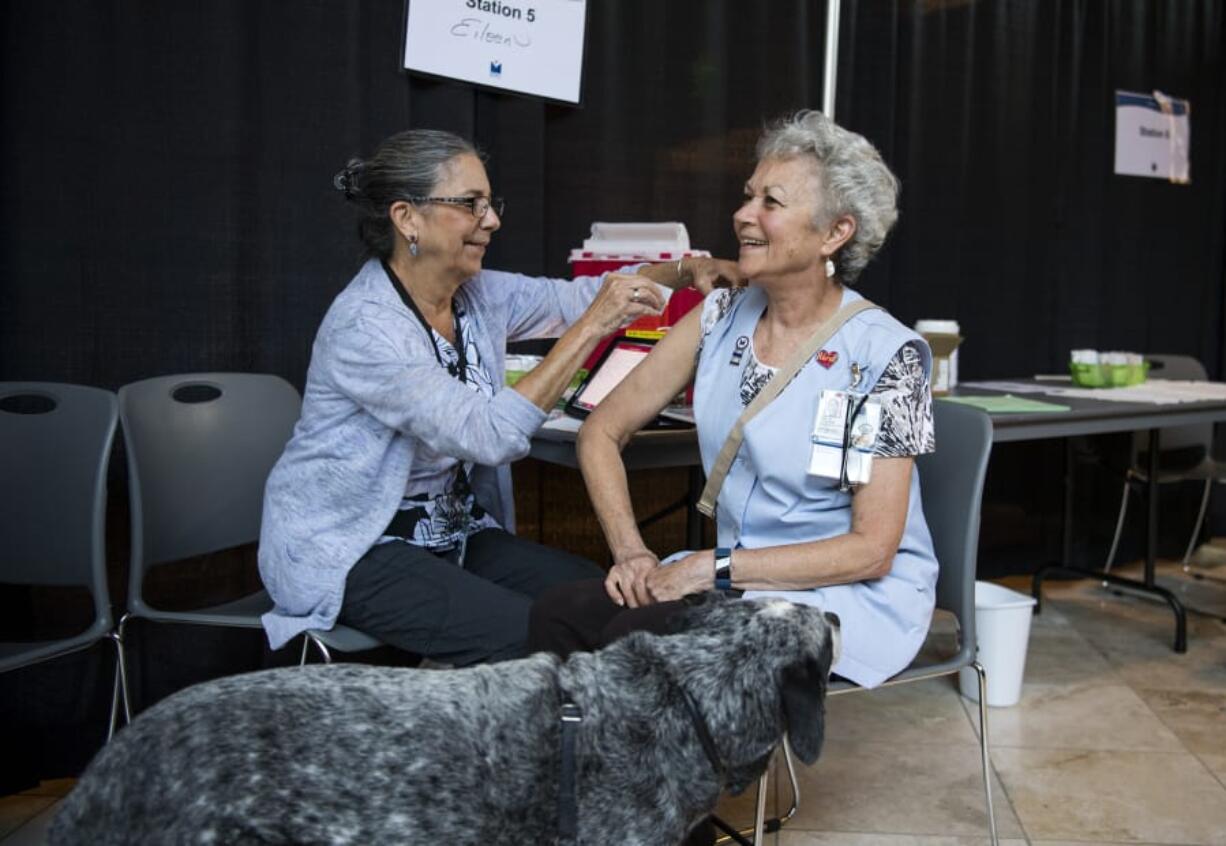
(772, 389)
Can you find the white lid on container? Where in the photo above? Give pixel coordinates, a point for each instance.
(638, 237)
(636, 241)
(937, 327)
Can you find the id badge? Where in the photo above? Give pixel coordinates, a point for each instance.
(844, 434)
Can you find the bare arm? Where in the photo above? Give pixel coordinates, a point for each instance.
(640, 396)
(701, 272)
(621, 299)
(878, 518)
(616, 305)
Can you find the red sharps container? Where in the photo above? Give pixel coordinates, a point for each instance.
(615, 245)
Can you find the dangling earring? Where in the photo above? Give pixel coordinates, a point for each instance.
(413, 246)
(829, 268)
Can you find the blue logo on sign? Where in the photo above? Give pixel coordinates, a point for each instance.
(495, 68)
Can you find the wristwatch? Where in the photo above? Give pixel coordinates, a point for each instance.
(723, 568)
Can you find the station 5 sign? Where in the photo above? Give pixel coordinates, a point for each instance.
(527, 46)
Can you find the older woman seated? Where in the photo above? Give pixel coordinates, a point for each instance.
(391, 508)
(817, 208)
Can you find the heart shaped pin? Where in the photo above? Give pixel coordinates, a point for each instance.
(827, 358)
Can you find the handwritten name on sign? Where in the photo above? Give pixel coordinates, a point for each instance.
(484, 32)
(531, 49)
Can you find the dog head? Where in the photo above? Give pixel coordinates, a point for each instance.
(774, 657)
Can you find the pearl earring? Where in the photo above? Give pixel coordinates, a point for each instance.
(413, 246)
(829, 268)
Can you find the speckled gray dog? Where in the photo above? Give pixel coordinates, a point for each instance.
(356, 754)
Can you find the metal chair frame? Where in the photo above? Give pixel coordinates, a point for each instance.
(339, 637)
(197, 466)
(1200, 435)
(59, 458)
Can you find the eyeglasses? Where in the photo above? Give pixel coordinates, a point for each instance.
(479, 206)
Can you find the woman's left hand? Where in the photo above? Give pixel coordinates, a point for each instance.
(707, 274)
(692, 574)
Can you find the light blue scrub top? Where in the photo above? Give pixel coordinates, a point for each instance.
(768, 497)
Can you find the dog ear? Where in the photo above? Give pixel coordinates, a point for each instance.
(804, 704)
(694, 610)
(705, 599)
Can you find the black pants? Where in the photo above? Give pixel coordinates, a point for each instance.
(424, 603)
(580, 617)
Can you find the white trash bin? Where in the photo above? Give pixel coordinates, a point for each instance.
(1002, 626)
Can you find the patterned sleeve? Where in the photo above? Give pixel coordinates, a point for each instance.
(714, 307)
(906, 406)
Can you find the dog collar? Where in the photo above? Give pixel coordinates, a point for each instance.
(570, 716)
(703, 732)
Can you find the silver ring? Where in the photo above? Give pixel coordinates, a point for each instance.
(635, 295)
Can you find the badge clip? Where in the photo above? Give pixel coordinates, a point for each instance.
(844, 435)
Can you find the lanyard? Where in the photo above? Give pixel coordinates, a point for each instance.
(853, 410)
(460, 368)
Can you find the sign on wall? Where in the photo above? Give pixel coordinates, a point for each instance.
(1153, 134)
(527, 46)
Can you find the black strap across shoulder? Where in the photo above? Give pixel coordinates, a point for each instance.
(570, 716)
(703, 732)
(460, 368)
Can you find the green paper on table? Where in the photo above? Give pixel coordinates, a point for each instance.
(1007, 404)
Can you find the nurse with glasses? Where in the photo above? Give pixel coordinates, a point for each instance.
(390, 510)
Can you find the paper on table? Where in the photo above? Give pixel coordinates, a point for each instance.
(1007, 404)
(560, 422)
(680, 413)
(1009, 387)
(1157, 391)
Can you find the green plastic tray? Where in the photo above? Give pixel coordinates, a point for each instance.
(1108, 375)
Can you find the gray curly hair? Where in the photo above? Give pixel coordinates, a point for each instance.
(852, 178)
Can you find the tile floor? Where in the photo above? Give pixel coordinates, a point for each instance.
(1116, 740)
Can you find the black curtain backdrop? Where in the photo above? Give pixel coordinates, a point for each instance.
(168, 203)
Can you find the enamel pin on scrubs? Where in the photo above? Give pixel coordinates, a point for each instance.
(844, 434)
(738, 351)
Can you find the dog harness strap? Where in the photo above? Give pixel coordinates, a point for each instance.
(568, 805)
(704, 734)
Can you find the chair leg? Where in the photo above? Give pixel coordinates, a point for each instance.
(983, 748)
(119, 690)
(1119, 529)
(1200, 519)
(763, 826)
(791, 768)
(319, 644)
(759, 819)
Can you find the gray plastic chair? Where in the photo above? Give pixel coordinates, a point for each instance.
(1185, 454)
(55, 448)
(951, 480)
(200, 447)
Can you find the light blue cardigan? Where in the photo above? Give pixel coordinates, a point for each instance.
(374, 395)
